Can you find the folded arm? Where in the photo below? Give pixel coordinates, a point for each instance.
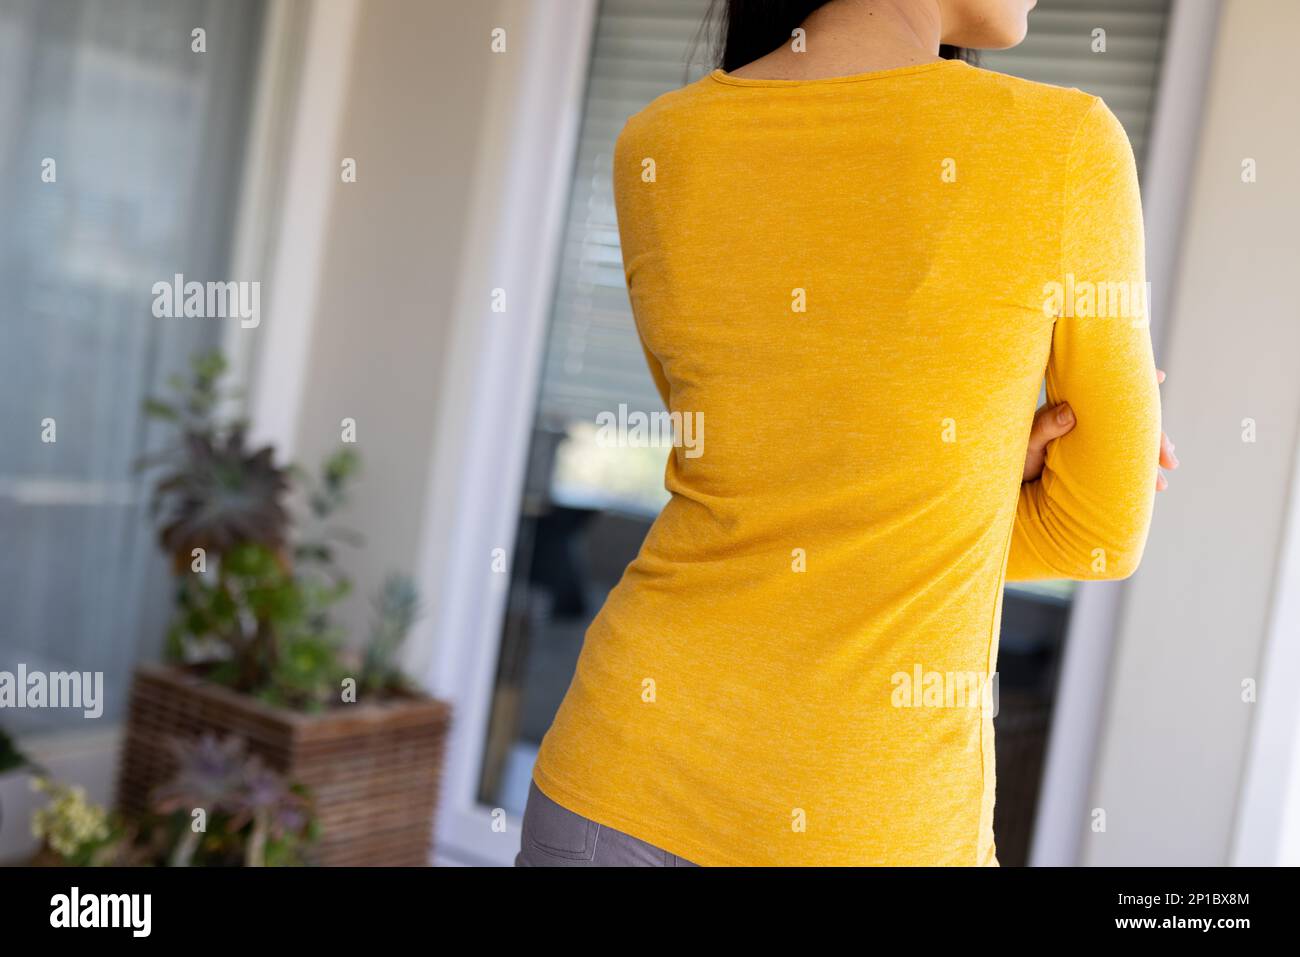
(1087, 516)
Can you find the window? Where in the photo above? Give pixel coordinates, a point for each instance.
(586, 510)
(143, 140)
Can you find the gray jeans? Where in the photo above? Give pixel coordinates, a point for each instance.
(553, 836)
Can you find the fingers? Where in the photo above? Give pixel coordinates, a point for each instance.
(1167, 457)
(1167, 460)
(1050, 422)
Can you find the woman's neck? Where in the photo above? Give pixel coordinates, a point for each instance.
(846, 37)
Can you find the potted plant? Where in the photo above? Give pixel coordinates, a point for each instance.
(253, 652)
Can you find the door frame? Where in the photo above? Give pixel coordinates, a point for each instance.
(1061, 817)
(486, 409)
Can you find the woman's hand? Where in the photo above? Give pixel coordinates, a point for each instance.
(1053, 421)
(1050, 422)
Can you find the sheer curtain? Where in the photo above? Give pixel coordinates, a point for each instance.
(146, 138)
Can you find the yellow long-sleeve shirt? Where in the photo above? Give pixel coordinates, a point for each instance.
(859, 284)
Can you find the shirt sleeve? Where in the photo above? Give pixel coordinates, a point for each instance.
(656, 372)
(627, 186)
(1088, 515)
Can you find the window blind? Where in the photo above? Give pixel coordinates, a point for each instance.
(641, 49)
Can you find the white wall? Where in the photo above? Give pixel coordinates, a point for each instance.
(390, 267)
(1196, 617)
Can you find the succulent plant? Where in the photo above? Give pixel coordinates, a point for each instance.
(208, 771)
(396, 608)
(220, 495)
(215, 493)
(272, 806)
(238, 793)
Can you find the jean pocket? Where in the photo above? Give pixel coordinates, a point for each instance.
(557, 831)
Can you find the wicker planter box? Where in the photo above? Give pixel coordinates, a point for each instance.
(373, 769)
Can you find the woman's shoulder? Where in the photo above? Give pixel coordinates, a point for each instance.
(671, 107)
(1014, 93)
(673, 118)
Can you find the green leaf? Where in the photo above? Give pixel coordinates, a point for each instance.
(158, 409)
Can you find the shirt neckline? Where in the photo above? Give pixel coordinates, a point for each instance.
(723, 77)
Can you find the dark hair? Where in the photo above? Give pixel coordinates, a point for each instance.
(744, 30)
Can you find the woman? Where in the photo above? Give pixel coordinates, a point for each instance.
(854, 260)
